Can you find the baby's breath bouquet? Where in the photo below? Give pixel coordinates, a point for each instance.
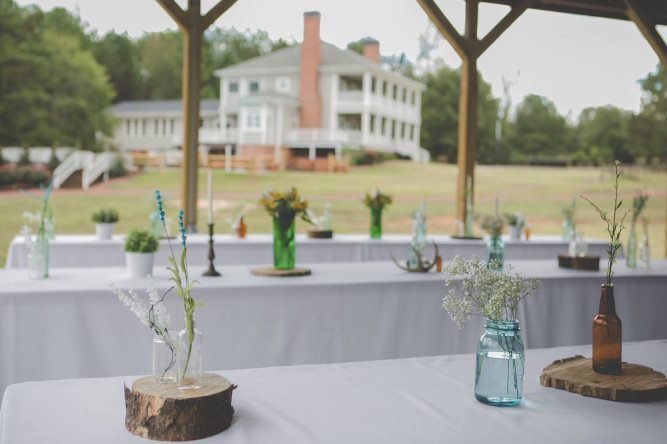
(493, 225)
(478, 290)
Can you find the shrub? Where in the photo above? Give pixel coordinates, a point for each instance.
(140, 241)
(53, 162)
(38, 177)
(105, 216)
(118, 168)
(25, 156)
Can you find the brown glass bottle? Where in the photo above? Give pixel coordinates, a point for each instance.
(607, 333)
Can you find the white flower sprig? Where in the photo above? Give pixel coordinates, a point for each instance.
(156, 317)
(478, 290)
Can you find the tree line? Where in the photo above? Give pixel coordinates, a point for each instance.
(58, 79)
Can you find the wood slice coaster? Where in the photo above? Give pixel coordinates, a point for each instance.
(271, 271)
(591, 263)
(466, 238)
(320, 234)
(165, 413)
(636, 383)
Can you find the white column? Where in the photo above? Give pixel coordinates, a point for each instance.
(228, 158)
(311, 152)
(280, 127)
(366, 88)
(262, 125)
(333, 115)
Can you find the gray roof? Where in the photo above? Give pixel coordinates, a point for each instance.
(160, 105)
(290, 57)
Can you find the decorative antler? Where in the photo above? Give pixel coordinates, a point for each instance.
(422, 266)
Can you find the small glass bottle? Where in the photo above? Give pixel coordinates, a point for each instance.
(164, 358)
(644, 253)
(499, 369)
(189, 356)
(326, 218)
(607, 335)
(631, 253)
(580, 246)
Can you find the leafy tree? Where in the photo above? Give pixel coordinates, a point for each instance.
(603, 133)
(538, 130)
(648, 129)
(119, 56)
(161, 56)
(440, 116)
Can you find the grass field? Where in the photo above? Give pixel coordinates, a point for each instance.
(538, 193)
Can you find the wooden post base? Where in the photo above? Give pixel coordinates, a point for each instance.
(165, 413)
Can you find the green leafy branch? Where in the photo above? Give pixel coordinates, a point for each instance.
(614, 227)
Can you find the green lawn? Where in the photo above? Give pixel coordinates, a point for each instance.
(539, 193)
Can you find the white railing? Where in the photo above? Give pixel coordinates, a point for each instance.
(321, 135)
(74, 162)
(101, 164)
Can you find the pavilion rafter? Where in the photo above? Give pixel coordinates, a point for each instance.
(648, 28)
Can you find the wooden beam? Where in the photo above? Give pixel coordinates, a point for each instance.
(175, 12)
(215, 12)
(445, 27)
(467, 143)
(502, 25)
(648, 29)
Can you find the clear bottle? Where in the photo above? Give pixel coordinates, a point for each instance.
(189, 356)
(326, 218)
(644, 253)
(631, 253)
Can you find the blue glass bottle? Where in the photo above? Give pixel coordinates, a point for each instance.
(499, 369)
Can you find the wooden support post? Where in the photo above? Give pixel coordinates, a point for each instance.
(648, 29)
(192, 24)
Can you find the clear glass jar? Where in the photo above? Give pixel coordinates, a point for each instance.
(164, 358)
(500, 360)
(567, 230)
(35, 264)
(495, 249)
(189, 356)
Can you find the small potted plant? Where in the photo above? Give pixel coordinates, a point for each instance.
(515, 224)
(104, 220)
(140, 248)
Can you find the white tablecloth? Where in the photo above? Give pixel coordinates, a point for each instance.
(88, 251)
(72, 326)
(419, 400)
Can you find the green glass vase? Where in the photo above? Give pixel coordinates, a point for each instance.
(283, 242)
(376, 223)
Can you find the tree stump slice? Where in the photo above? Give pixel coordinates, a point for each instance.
(270, 271)
(320, 234)
(163, 412)
(590, 263)
(636, 383)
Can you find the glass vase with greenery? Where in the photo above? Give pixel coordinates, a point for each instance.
(495, 247)
(376, 203)
(638, 204)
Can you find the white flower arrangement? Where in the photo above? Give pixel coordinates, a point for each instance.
(478, 290)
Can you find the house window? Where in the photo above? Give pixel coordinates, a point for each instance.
(233, 87)
(373, 84)
(156, 126)
(383, 126)
(171, 126)
(143, 127)
(414, 96)
(372, 123)
(136, 127)
(402, 130)
(252, 119)
(404, 96)
(393, 129)
(128, 126)
(412, 132)
(253, 86)
(384, 88)
(164, 126)
(395, 93)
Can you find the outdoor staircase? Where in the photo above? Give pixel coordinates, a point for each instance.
(92, 166)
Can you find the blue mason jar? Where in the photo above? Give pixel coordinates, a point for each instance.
(495, 249)
(499, 369)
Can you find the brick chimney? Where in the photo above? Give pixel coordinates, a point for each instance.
(372, 50)
(311, 54)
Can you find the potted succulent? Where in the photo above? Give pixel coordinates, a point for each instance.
(515, 225)
(104, 220)
(140, 247)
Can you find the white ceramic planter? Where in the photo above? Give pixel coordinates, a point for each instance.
(139, 264)
(104, 231)
(515, 232)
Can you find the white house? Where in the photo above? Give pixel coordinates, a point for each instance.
(305, 101)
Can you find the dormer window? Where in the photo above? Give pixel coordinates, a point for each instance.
(253, 86)
(233, 87)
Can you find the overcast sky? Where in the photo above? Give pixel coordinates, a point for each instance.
(574, 61)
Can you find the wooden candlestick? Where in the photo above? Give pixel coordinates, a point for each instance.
(211, 254)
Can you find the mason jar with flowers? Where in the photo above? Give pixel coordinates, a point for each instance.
(376, 203)
(283, 207)
(476, 289)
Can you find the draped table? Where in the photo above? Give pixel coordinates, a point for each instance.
(71, 325)
(88, 251)
(423, 400)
